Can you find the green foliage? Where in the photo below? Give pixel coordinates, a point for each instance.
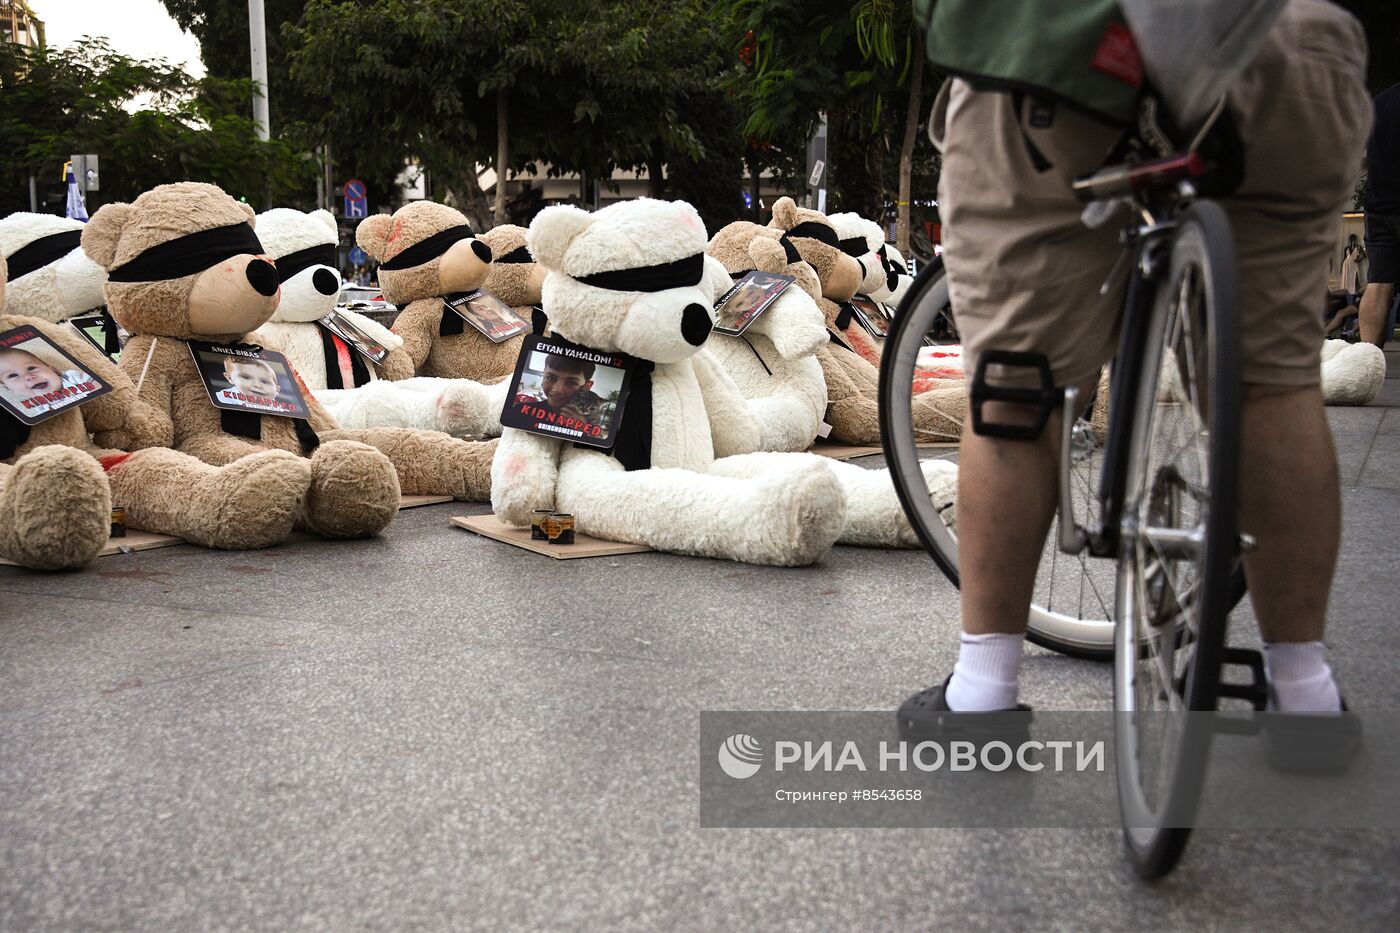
(148, 121)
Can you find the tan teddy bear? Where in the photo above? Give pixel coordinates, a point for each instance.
(514, 276)
(426, 252)
(849, 361)
(185, 264)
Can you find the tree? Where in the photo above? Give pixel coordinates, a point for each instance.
(149, 121)
(851, 61)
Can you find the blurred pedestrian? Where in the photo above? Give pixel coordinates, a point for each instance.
(1382, 216)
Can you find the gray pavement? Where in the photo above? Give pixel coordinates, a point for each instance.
(415, 732)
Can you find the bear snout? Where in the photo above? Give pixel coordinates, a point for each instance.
(483, 252)
(325, 281)
(262, 275)
(695, 324)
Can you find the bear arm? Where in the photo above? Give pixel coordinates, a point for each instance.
(148, 422)
(524, 475)
(418, 325)
(397, 365)
(734, 429)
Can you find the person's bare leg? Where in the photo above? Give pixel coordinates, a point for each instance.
(1290, 502)
(1375, 306)
(1006, 502)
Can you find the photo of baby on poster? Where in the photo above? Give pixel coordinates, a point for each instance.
(488, 314)
(563, 390)
(38, 380)
(741, 305)
(248, 378)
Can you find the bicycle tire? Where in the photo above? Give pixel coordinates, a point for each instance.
(926, 300)
(1154, 588)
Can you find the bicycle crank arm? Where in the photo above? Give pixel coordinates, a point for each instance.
(1073, 538)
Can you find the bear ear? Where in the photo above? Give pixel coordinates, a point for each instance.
(553, 230)
(326, 218)
(103, 232)
(372, 235)
(785, 213)
(250, 211)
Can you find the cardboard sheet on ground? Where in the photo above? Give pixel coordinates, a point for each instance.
(412, 502)
(584, 546)
(850, 452)
(134, 541)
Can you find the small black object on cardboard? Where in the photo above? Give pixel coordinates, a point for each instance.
(247, 378)
(741, 305)
(567, 391)
(359, 341)
(39, 380)
(488, 314)
(871, 316)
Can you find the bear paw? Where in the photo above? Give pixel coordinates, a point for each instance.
(354, 491)
(55, 509)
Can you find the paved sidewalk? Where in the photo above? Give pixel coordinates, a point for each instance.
(415, 732)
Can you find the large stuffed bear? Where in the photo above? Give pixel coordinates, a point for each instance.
(185, 264)
(849, 361)
(51, 278)
(356, 391)
(58, 502)
(55, 505)
(632, 278)
(773, 363)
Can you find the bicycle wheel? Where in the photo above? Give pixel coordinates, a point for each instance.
(1072, 610)
(1178, 547)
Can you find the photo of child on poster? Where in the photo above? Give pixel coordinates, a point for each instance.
(562, 390)
(38, 379)
(741, 305)
(488, 314)
(249, 379)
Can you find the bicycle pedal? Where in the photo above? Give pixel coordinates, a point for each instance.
(1256, 692)
(1043, 400)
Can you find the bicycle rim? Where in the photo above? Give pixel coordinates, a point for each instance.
(1072, 612)
(1177, 551)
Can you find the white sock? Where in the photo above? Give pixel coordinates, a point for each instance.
(985, 676)
(1299, 679)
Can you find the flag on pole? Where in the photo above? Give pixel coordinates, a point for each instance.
(75, 208)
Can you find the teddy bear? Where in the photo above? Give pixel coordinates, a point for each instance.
(161, 490)
(790, 391)
(356, 391)
(773, 363)
(897, 279)
(513, 276)
(51, 277)
(184, 263)
(1352, 373)
(55, 504)
(862, 239)
(686, 474)
(849, 361)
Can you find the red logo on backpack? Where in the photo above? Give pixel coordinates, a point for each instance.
(1117, 55)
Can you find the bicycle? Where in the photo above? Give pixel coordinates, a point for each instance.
(1155, 490)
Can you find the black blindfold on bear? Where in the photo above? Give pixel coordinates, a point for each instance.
(189, 255)
(521, 254)
(434, 246)
(292, 263)
(682, 273)
(34, 256)
(811, 230)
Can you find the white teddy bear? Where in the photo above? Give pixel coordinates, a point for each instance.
(632, 278)
(51, 278)
(897, 279)
(355, 390)
(1352, 373)
(862, 239)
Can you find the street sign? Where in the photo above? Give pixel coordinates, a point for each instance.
(85, 172)
(356, 199)
(358, 257)
(817, 171)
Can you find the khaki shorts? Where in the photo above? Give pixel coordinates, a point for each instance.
(1025, 273)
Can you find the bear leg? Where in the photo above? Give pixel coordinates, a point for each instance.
(430, 463)
(354, 491)
(55, 509)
